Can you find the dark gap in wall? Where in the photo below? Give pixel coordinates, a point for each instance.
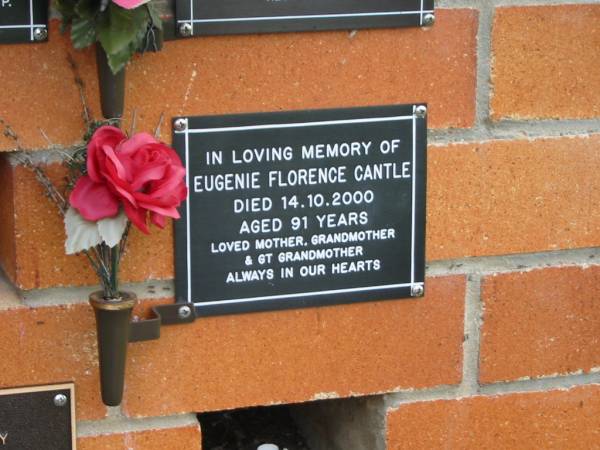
(247, 429)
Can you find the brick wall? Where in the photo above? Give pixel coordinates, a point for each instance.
(503, 352)
(525, 184)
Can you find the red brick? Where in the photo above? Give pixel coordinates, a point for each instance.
(544, 191)
(501, 197)
(291, 71)
(540, 323)
(277, 357)
(270, 72)
(294, 356)
(546, 62)
(40, 238)
(184, 438)
(39, 92)
(51, 345)
(549, 420)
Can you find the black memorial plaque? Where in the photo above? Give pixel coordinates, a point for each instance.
(23, 21)
(296, 209)
(206, 17)
(41, 417)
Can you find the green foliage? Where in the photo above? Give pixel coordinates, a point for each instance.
(83, 33)
(121, 32)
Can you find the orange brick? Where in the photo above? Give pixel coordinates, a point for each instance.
(546, 62)
(502, 197)
(229, 74)
(40, 238)
(185, 438)
(299, 355)
(544, 191)
(51, 345)
(39, 94)
(540, 323)
(277, 357)
(549, 420)
(272, 72)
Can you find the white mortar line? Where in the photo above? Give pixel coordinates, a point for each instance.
(480, 265)
(153, 289)
(515, 130)
(393, 401)
(523, 262)
(43, 156)
(122, 424)
(541, 384)
(472, 326)
(483, 65)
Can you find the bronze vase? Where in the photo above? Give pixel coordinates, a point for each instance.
(112, 86)
(113, 326)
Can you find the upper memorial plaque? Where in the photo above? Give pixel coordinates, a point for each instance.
(303, 208)
(206, 17)
(23, 21)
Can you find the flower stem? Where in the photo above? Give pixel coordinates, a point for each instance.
(114, 275)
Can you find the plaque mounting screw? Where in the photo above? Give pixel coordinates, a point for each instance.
(417, 290)
(421, 111)
(60, 400)
(39, 34)
(185, 29)
(428, 20)
(184, 312)
(180, 124)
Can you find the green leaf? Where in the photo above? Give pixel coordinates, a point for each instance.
(120, 27)
(121, 32)
(118, 60)
(154, 15)
(83, 32)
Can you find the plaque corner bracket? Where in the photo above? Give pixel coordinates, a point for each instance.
(172, 314)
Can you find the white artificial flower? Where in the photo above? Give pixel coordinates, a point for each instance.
(83, 234)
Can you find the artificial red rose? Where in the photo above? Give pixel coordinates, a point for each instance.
(102, 145)
(130, 4)
(157, 185)
(142, 174)
(103, 205)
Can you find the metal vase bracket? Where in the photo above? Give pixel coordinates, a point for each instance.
(113, 327)
(112, 86)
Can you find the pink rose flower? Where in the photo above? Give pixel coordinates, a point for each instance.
(130, 4)
(141, 174)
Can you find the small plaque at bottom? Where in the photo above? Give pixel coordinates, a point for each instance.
(38, 417)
